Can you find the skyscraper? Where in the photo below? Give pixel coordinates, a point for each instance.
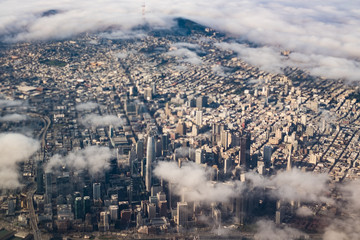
(181, 128)
(199, 115)
(48, 187)
(245, 159)
(201, 102)
(140, 149)
(267, 155)
(182, 213)
(199, 156)
(289, 162)
(96, 191)
(150, 157)
(79, 209)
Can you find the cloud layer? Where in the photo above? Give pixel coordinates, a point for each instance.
(14, 148)
(13, 118)
(10, 103)
(95, 159)
(295, 185)
(86, 106)
(321, 34)
(192, 181)
(267, 230)
(94, 120)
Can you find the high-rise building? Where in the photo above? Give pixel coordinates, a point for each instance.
(201, 102)
(114, 212)
(63, 185)
(40, 179)
(86, 205)
(104, 221)
(225, 139)
(267, 155)
(245, 143)
(199, 118)
(181, 128)
(11, 206)
(289, 162)
(48, 187)
(182, 214)
(150, 158)
(78, 208)
(96, 191)
(148, 93)
(140, 149)
(153, 88)
(151, 208)
(227, 165)
(133, 91)
(199, 156)
(164, 143)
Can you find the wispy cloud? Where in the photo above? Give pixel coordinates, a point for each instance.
(14, 148)
(324, 34)
(94, 159)
(13, 118)
(94, 120)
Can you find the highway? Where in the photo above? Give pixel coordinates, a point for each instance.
(32, 214)
(32, 189)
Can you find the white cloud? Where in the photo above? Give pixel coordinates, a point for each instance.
(267, 230)
(325, 30)
(192, 181)
(304, 212)
(94, 120)
(14, 148)
(86, 106)
(10, 103)
(13, 118)
(295, 185)
(95, 159)
(185, 55)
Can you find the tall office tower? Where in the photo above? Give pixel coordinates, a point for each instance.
(150, 158)
(289, 162)
(164, 144)
(151, 209)
(244, 207)
(182, 213)
(225, 139)
(78, 208)
(63, 185)
(245, 143)
(153, 88)
(48, 187)
(199, 156)
(148, 93)
(227, 165)
(303, 120)
(158, 148)
(40, 179)
(114, 212)
(181, 128)
(267, 155)
(104, 221)
(11, 206)
(217, 128)
(199, 118)
(133, 91)
(86, 205)
(132, 159)
(96, 191)
(201, 102)
(140, 149)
